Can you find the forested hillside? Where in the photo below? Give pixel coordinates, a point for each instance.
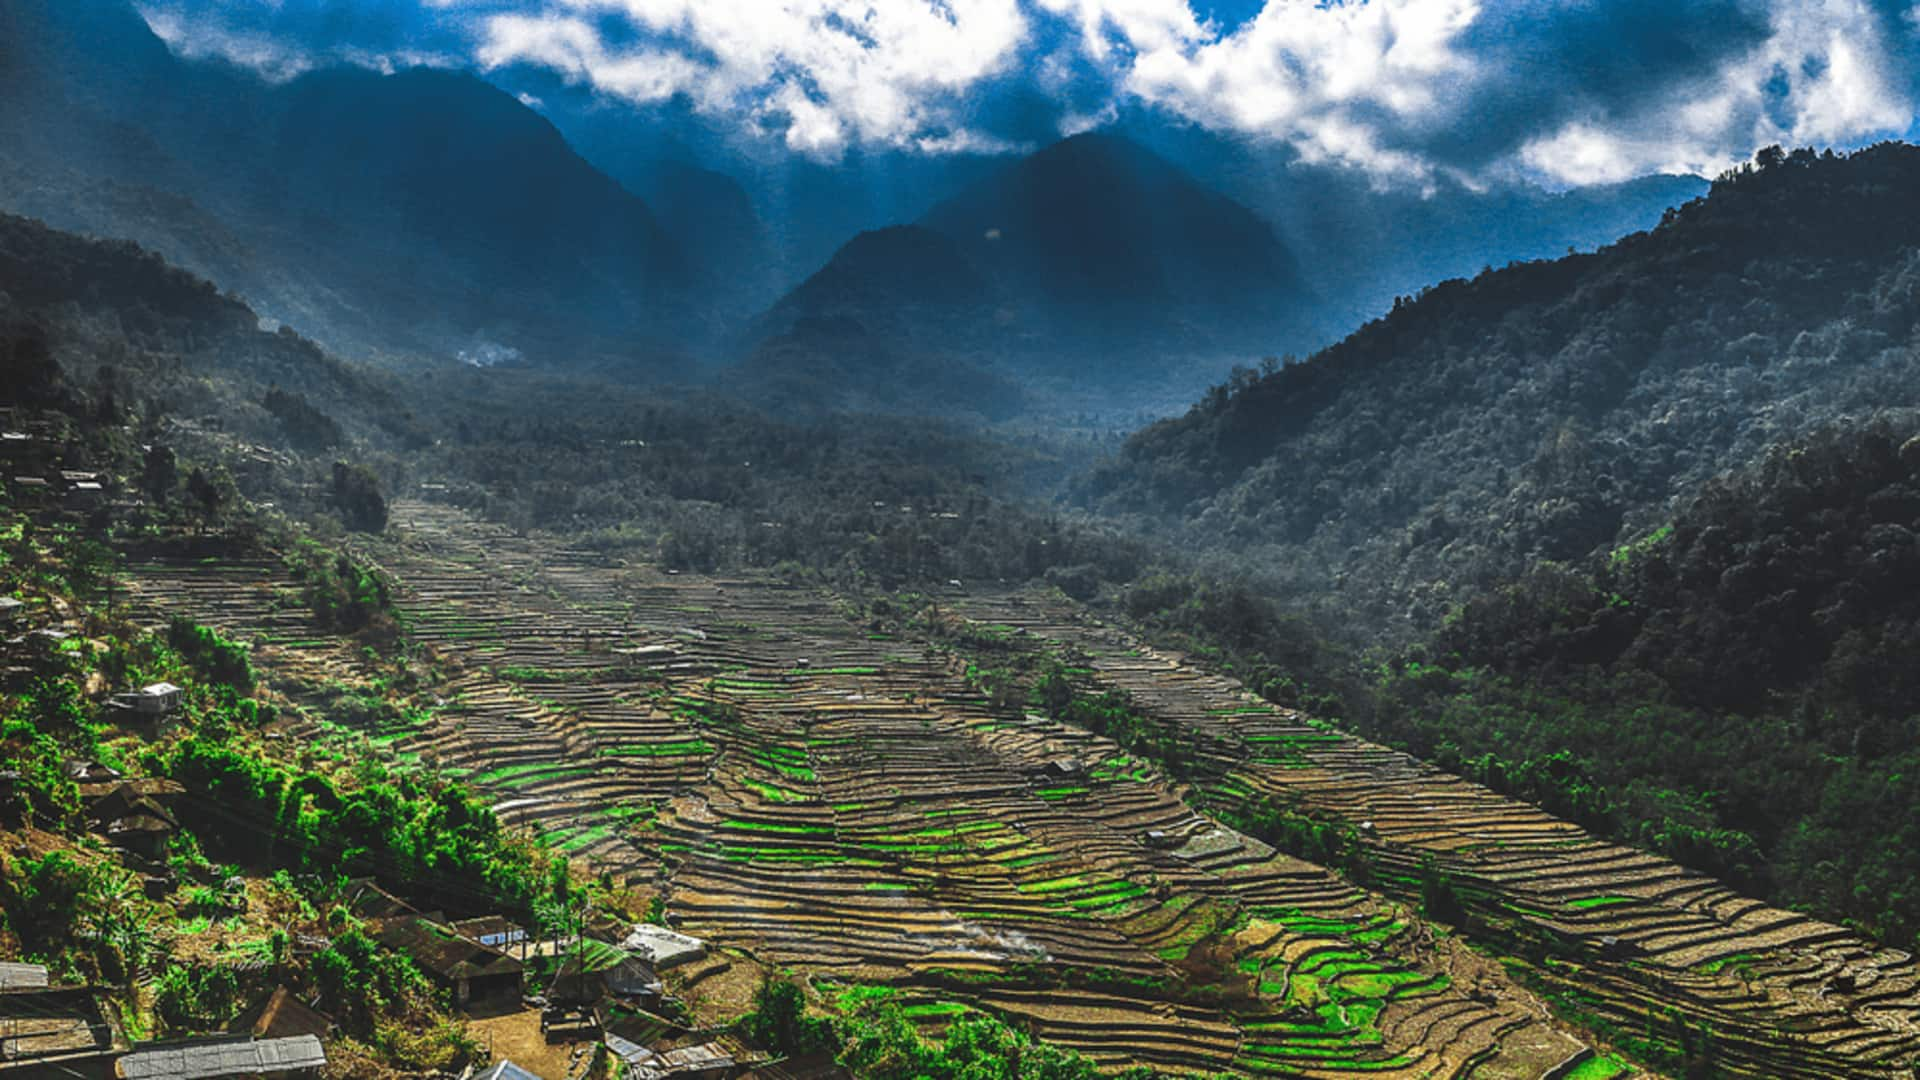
(1549, 410)
(1734, 689)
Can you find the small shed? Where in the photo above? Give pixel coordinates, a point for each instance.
(282, 1016)
(220, 1056)
(84, 771)
(12, 610)
(661, 947)
(1063, 768)
(154, 699)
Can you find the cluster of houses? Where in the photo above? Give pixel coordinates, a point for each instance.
(30, 454)
(604, 987)
(136, 816)
(63, 1033)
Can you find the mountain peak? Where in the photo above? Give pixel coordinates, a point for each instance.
(1099, 220)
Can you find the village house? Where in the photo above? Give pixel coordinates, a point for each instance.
(145, 830)
(135, 815)
(579, 988)
(466, 969)
(111, 798)
(86, 494)
(15, 446)
(1065, 768)
(705, 1061)
(85, 771)
(13, 797)
(64, 1032)
(493, 931)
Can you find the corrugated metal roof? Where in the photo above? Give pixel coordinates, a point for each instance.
(212, 1059)
(23, 977)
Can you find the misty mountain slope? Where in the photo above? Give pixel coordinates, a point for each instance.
(900, 278)
(125, 324)
(1549, 410)
(713, 221)
(418, 211)
(1097, 222)
(890, 324)
(1092, 257)
(1368, 247)
(498, 221)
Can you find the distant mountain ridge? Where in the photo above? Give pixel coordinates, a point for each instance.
(420, 210)
(1091, 255)
(1098, 220)
(434, 213)
(1551, 410)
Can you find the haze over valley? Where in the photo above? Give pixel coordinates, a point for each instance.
(1014, 539)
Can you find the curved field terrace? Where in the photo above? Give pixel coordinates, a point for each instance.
(807, 793)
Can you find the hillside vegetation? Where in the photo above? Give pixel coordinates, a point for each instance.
(1734, 689)
(1548, 411)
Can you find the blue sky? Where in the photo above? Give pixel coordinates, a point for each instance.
(1564, 93)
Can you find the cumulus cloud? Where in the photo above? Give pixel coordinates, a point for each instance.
(284, 39)
(822, 73)
(1569, 91)
(1821, 74)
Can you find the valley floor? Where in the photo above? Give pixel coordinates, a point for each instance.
(812, 790)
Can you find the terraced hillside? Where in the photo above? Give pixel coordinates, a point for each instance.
(820, 795)
(1631, 935)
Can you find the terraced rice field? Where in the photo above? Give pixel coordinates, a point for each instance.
(852, 809)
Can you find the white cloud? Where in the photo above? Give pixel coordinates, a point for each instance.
(826, 72)
(199, 34)
(1314, 75)
(205, 39)
(1141, 25)
(1825, 66)
(1400, 89)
